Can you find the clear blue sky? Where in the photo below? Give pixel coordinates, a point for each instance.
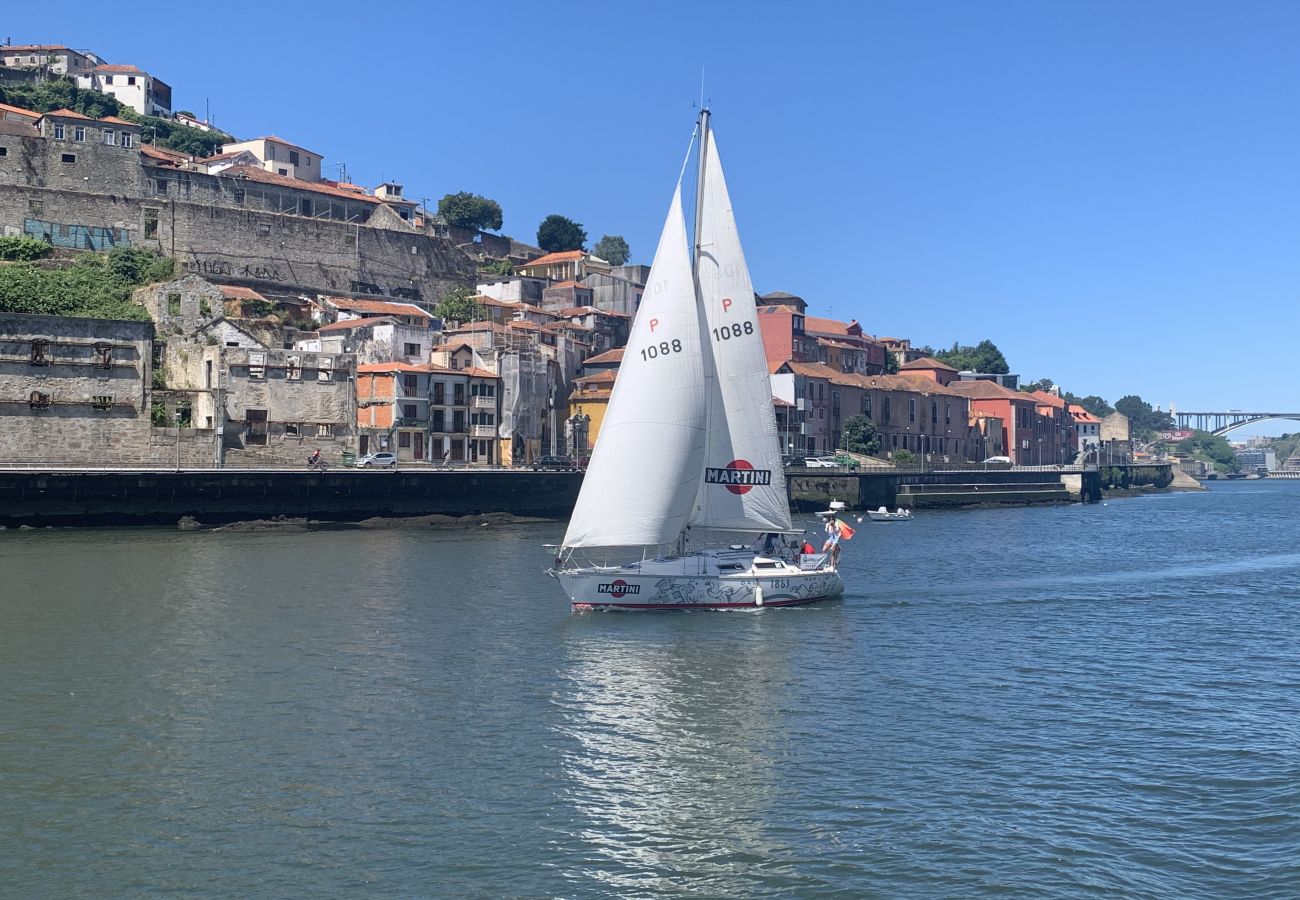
(1110, 191)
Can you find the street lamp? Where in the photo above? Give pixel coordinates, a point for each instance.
(178, 440)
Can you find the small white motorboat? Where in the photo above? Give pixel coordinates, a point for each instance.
(884, 515)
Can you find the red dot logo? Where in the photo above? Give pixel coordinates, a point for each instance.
(740, 486)
(618, 588)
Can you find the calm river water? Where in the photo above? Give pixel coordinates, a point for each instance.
(1067, 702)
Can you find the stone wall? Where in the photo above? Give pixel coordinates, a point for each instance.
(226, 229)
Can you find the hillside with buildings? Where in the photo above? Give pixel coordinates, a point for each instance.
(292, 311)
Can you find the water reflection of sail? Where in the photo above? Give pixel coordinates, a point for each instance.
(672, 765)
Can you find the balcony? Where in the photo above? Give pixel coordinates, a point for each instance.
(412, 422)
(484, 402)
(483, 431)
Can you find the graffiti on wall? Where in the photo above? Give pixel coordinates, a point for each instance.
(223, 268)
(77, 237)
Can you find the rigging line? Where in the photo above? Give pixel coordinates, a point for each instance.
(689, 147)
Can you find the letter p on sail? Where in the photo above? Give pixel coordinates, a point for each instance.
(654, 323)
(726, 304)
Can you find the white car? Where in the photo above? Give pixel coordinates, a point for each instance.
(999, 459)
(378, 461)
(821, 462)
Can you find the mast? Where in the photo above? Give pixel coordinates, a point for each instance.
(699, 191)
(706, 356)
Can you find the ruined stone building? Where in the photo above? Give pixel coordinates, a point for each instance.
(77, 392)
(87, 184)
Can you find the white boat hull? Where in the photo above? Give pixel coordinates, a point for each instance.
(679, 584)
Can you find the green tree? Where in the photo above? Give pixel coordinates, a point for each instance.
(468, 210)
(983, 357)
(1143, 420)
(459, 305)
(1211, 448)
(1093, 404)
(557, 234)
(891, 363)
(613, 249)
(498, 267)
(903, 457)
(860, 436)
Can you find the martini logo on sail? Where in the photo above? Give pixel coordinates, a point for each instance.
(618, 588)
(739, 476)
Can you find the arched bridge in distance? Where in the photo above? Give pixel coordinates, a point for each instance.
(1223, 422)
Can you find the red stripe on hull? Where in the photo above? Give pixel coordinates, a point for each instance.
(750, 605)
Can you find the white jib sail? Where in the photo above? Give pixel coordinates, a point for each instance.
(646, 468)
(744, 483)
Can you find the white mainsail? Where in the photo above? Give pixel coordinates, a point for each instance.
(646, 468)
(744, 484)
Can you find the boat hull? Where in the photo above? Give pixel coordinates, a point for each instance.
(598, 589)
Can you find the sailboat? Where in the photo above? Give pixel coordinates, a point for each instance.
(689, 460)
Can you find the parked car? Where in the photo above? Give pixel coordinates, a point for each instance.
(793, 460)
(383, 460)
(821, 462)
(552, 462)
(1004, 460)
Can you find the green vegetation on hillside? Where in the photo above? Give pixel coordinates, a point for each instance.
(63, 93)
(983, 357)
(1212, 448)
(23, 248)
(458, 305)
(1285, 446)
(96, 286)
(1092, 403)
(1143, 420)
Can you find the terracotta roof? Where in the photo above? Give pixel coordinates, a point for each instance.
(609, 356)
(116, 121)
(475, 373)
(988, 390)
(824, 326)
(127, 70)
(68, 114)
(255, 173)
(452, 347)
(1046, 398)
(598, 377)
(777, 311)
(1079, 414)
(378, 307)
(18, 110)
(232, 292)
(565, 256)
(165, 156)
(926, 362)
(524, 325)
(341, 185)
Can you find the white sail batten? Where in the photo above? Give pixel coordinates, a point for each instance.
(647, 465)
(744, 483)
